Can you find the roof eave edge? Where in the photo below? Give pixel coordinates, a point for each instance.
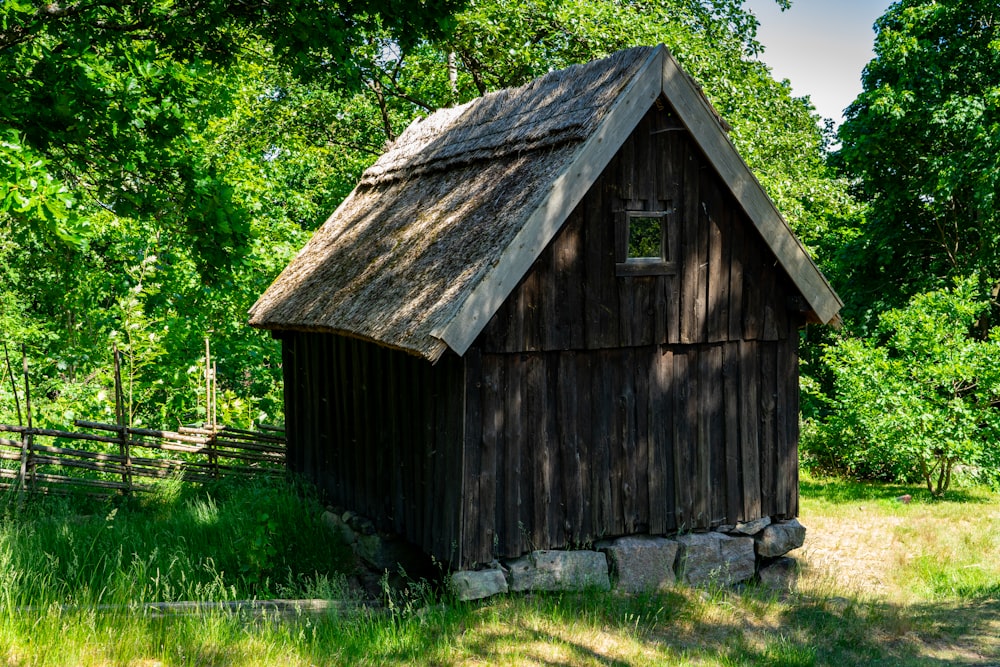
(700, 119)
(565, 192)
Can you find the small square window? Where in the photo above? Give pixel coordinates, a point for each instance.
(646, 236)
(645, 243)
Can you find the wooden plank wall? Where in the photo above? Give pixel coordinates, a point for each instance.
(609, 405)
(379, 432)
(575, 446)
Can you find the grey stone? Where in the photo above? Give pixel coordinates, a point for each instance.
(390, 553)
(559, 571)
(337, 525)
(715, 558)
(780, 574)
(780, 538)
(477, 585)
(641, 563)
(752, 527)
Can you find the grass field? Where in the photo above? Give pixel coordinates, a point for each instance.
(882, 582)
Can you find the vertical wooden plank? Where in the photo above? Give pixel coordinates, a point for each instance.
(643, 310)
(627, 444)
(731, 392)
(600, 289)
(492, 397)
(690, 255)
(750, 429)
(670, 171)
(418, 396)
(660, 431)
(643, 359)
(768, 427)
(603, 473)
(554, 468)
(449, 470)
(627, 334)
(624, 164)
(716, 434)
(358, 435)
(291, 397)
(585, 447)
(475, 516)
(701, 294)
(661, 315)
(773, 300)
(736, 260)
(794, 396)
(753, 309)
(685, 451)
(567, 414)
(432, 514)
(782, 464)
(345, 394)
(568, 277)
(395, 460)
(703, 398)
(532, 314)
(537, 451)
(718, 271)
(369, 436)
(516, 500)
(308, 407)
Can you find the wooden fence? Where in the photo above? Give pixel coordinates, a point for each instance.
(111, 459)
(118, 458)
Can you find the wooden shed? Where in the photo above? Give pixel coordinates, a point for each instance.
(558, 313)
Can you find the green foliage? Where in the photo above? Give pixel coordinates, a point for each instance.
(103, 103)
(923, 143)
(919, 399)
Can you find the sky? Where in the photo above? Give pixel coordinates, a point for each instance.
(820, 46)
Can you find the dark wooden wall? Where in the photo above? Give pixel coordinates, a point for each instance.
(379, 432)
(613, 405)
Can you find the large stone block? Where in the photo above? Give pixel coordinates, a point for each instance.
(779, 574)
(780, 538)
(752, 527)
(477, 585)
(715, 558)
(559, 571)
(641, 563)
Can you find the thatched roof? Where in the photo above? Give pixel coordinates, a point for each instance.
(445, 224)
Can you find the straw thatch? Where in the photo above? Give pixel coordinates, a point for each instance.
(427, 220)
(426, 248)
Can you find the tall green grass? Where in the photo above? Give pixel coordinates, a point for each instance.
(259, 539)
(189, 543)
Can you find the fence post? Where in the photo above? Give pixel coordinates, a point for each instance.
(120, 422)
(26, 435)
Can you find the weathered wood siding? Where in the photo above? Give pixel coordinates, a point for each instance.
(379, 432)
(600, 405)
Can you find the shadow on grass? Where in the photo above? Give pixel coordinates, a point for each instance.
(836, 490)
(727, 628)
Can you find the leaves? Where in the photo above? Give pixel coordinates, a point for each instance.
(919, 398)
(923, 142)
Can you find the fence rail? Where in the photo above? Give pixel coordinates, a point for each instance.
(113, 463)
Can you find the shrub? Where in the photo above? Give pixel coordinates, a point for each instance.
(917, 400)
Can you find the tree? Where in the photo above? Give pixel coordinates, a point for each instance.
(99, 101)
(917, 399)
(923, 143)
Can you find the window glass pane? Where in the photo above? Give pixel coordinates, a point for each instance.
(645, 234)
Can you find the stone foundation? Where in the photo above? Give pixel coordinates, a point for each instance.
(640, 563)
(725, 556)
